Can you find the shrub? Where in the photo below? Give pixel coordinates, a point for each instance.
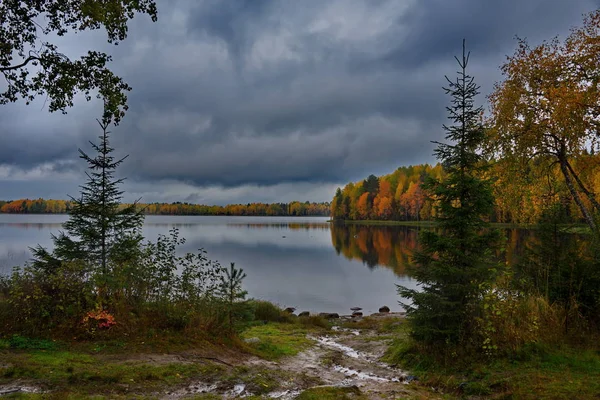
(314, 320)
(39, 301)
(512, 320)
(267, 311)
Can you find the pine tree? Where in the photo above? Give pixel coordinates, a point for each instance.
(99, 229)
(231, 290)
(453, 264)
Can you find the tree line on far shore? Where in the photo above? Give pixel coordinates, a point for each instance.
(520, 196)
(295, 208)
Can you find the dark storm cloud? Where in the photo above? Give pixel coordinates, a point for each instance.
(233, 94)
(437, 27)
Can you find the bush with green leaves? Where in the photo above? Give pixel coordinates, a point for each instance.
(38, 303)
(170, 277)
(561, 267)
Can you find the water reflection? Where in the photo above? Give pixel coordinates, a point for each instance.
(394, 246)
(390, 246)
(302, 262)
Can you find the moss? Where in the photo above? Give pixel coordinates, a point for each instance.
(79, 373)
(537, 372)
(332, 393)
(277, 340)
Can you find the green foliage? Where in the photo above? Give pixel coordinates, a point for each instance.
(230, 289)
(268, 312)
(169, 277)
(33, 66)
(25, 343)
(561, 268)
(455, 264)
(99, 232)
(38, 302)
(100, 269)
(314, 320)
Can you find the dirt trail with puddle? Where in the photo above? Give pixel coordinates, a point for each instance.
(342, 358)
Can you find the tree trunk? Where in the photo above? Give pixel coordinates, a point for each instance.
(589, 194)
(586, 213)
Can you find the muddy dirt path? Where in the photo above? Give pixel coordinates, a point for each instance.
(341, 358)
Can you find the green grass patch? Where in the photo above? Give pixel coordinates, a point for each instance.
(277, 340)
(76, 373)
(385, 325)
(537, 372)
(25, 343)
(332, 393)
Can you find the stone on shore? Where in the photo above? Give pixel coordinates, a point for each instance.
(329, 315)
(384, 309)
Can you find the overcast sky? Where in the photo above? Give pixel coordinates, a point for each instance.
(273, 100)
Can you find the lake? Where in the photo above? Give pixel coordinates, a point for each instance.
(301, 262)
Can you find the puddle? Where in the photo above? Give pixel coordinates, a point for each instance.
(339, 329)
(6, 390)
(284, 395)
(349, 372)
(332, 344)
(238, 389)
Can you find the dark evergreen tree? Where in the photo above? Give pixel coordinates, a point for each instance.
(371, 185)
(99, 230)
(455, 262)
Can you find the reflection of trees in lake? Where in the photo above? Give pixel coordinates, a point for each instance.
(31, 225)
(323, 226)
(393, 246)
(390, 246)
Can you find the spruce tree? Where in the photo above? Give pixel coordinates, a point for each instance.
(455, 261)
(99, 229)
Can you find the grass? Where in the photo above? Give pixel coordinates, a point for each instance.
(537, 372)
(332, 393)
(124, 370)
(387, 325)
(24, 343)
(77, 373)
(277, 340)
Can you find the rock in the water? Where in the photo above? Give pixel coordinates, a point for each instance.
(356, 308)
(252, 340)
(357, 314)
(384, 309)
(290, 310)
(329, 315)
(304, 314)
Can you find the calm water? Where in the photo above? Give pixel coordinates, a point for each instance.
(296, 262)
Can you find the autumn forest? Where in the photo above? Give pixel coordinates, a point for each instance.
(521, 192)
(295, 208)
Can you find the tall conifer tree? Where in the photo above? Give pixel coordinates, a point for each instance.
(454, 262)
(99, 229)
